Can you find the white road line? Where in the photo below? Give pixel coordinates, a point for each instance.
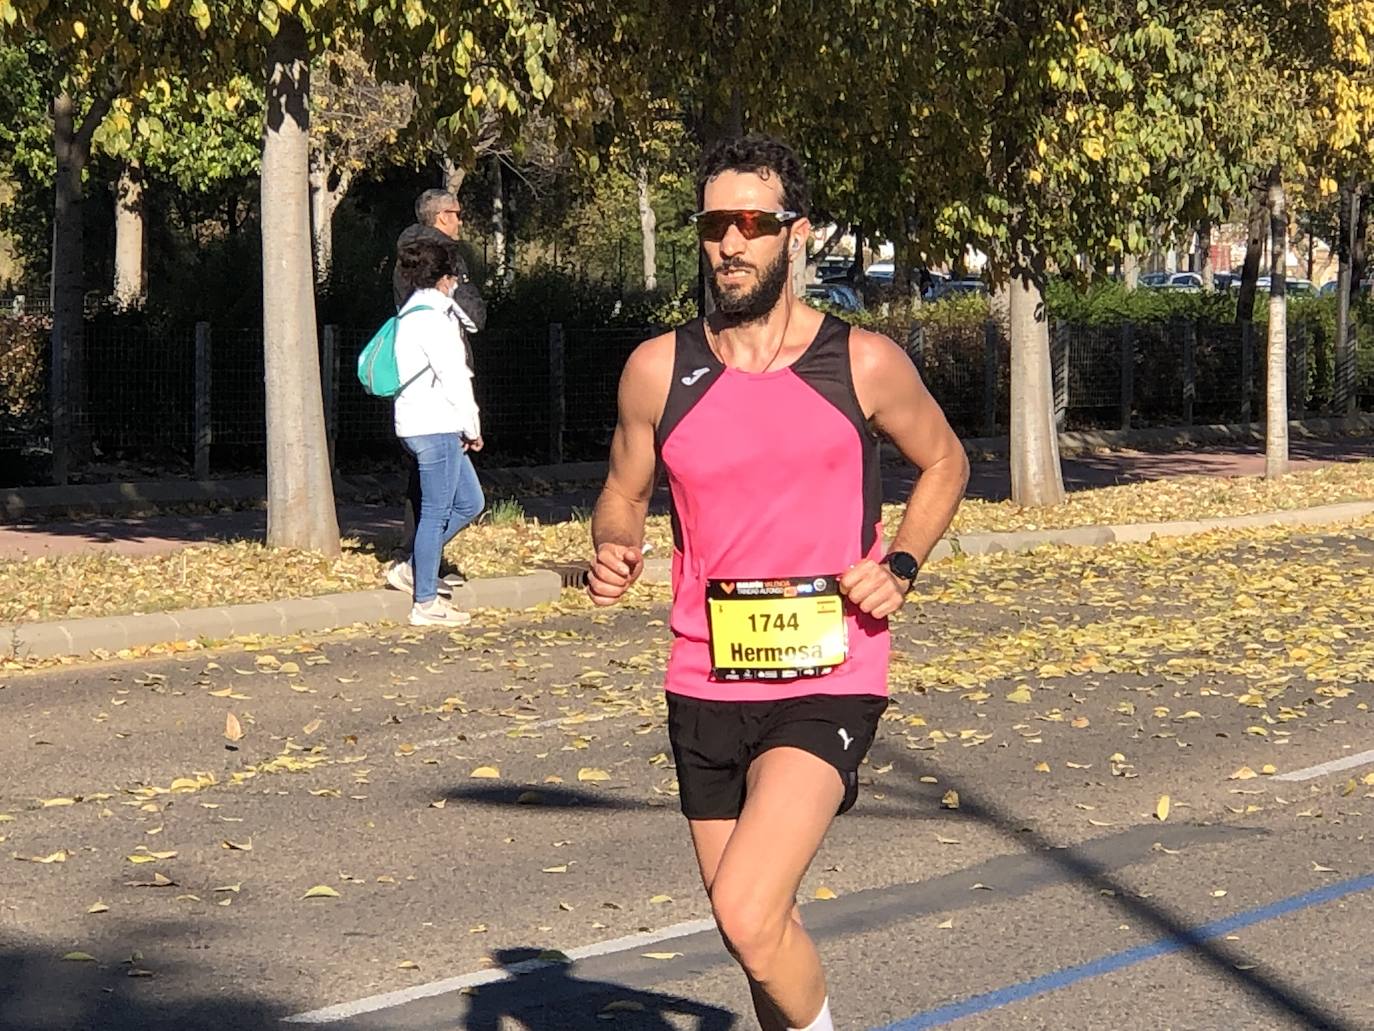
(390, 1000)
(1334, 766)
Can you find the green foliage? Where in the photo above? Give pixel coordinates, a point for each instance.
(546, 295)
(195, 138)
(1109, 303)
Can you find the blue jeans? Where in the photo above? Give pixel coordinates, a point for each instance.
(450, 498)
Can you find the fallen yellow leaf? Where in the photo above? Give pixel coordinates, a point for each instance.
(1162, 808)
(79, 957)
(660, 955)
(320, 891)
(232, 729)
(824, 894)
(588, 773)
(485, 773)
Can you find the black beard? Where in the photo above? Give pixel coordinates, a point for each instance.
(751, 305)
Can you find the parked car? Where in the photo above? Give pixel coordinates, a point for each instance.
(1226, 280)
(881, 273)
(1293, 286)
(1329, 289)
(957, 288)
(833, 266)
(1153, 280)
(1189, 282)
(840, 295)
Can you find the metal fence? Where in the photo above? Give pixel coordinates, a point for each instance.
(195, 398)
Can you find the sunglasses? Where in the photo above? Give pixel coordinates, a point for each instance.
(713, 225)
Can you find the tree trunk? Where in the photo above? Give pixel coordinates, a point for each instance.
(1130, 271)
(1036, 478)
(68, 385)
(498, 220)
(1204, 254)
(1254, 249)
(327, 191)
(1345, 293)
(300, 492)
(128, 279)
(454, 174)
(648, 226)
(840, 229)
(1359, 260)
(1276, 428)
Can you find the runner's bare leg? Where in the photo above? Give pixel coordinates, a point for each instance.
(753, 867)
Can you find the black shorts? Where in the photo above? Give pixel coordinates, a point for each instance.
(714, 743)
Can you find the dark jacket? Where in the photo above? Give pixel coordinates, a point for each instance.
(465, 295)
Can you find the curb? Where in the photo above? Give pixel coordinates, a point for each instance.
(326, 612)
(659, 570)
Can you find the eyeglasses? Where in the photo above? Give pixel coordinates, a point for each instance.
(455, 212)
(713, 225)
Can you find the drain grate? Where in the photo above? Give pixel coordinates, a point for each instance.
(573, 574)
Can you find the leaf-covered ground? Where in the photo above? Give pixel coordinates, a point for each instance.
(241, 572)
(431, 799)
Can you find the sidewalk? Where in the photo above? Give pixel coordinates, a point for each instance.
(165, 533)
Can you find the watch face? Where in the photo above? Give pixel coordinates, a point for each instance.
(903, 564)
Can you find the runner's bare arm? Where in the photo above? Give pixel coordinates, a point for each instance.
(891, 393)
(618, 521)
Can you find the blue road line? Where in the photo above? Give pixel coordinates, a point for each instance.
(1110, 964)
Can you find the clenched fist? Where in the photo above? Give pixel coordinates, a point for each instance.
(614, 569)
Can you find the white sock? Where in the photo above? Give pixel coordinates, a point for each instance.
(822, 1021)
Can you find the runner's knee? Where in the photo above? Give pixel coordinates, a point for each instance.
(752, 931)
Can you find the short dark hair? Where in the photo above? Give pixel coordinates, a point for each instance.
(764, 156)
(424, 262)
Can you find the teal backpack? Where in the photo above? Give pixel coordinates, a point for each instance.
(377, 370)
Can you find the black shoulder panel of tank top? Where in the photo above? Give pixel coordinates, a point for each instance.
(827, 369)
(695, 371)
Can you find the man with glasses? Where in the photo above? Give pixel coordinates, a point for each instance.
(438, 217)
(765, 418)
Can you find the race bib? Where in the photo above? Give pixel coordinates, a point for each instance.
(776, 629)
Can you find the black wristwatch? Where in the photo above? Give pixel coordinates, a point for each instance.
(904, 565)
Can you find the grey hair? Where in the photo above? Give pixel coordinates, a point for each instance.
(430, 203)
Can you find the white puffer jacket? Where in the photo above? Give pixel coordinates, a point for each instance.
(432, 345)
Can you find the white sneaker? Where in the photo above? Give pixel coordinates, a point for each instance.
(401, 577)
(438, 613)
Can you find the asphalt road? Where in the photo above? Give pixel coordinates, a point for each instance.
(1061, 695)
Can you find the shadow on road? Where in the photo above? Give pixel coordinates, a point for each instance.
(531, 1000)
(1226, 963)
(544, 796)
(41, 992)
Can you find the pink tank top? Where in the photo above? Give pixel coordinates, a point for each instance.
(772, 475)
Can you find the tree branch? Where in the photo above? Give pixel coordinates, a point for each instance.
(100, 107)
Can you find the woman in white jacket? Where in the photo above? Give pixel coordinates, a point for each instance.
(437, 420)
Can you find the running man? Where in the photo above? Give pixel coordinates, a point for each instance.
(765, 417)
